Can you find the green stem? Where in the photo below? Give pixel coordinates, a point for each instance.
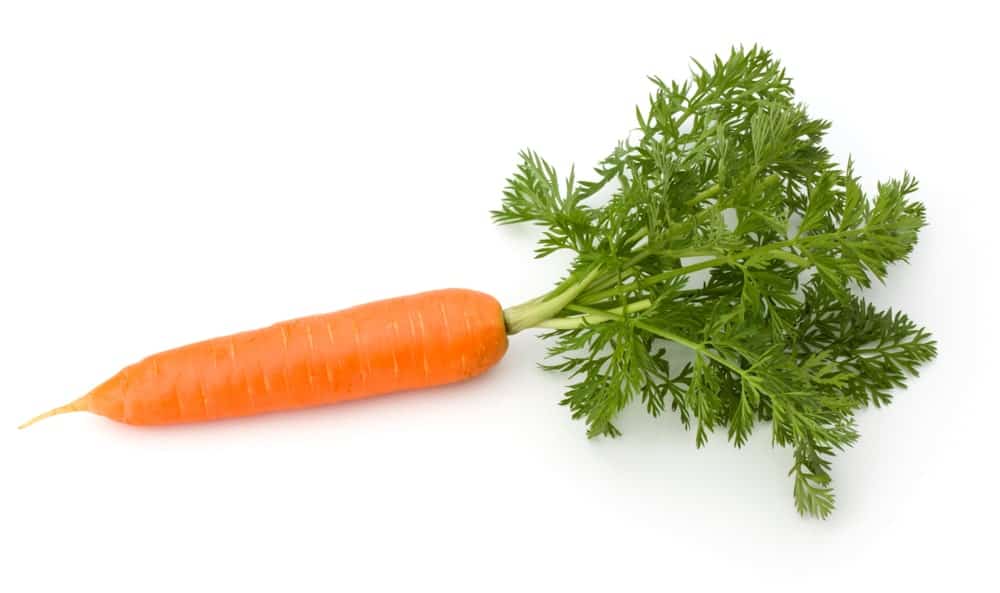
(704, 195)
(700, 196)
(617, 290)
(535, 311)
(668, 335)
(592, 318)
(604, 282)
(773, 250)
(542, 311)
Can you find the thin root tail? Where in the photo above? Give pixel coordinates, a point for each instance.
(79, 405)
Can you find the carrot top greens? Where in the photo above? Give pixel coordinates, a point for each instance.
(716, 255)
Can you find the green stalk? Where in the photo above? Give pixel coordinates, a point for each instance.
(535, 311)
(668, 335)
(594, 317)
(708, 193)
(617, 290)
(774, 250)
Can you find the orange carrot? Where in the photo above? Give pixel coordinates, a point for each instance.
(426, 339)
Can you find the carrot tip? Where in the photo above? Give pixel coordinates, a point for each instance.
(79, 405)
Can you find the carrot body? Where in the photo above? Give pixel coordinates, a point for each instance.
(422, 340)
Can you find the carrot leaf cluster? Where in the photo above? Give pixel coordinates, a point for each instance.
(718, 255)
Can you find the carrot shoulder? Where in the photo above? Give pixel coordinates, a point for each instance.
(404, 343)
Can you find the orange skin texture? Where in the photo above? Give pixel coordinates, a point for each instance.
(398, 344)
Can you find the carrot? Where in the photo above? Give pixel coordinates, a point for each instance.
(409, 342)
(774, 334)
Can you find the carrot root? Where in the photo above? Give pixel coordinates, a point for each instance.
(79, 405)
(397, 344)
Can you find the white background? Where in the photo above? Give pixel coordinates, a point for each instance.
(172, 171)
